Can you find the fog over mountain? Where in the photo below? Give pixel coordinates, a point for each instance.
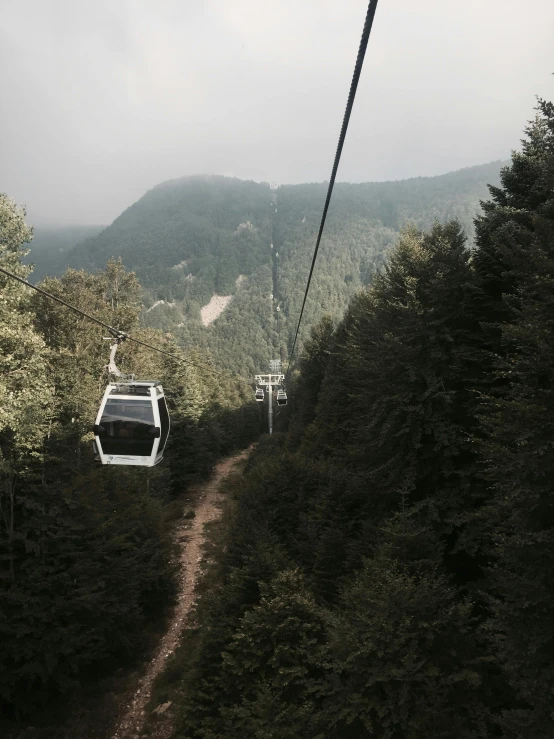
(104, 100)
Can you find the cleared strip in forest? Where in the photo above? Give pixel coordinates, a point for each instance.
(191, 537)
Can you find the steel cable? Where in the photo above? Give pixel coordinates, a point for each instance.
(372, 7)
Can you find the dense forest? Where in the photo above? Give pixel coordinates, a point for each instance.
(193, 238)
(385, 569)
(85, 551)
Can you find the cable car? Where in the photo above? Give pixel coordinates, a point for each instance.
(259, 394)
(132, 424)
(281, 397)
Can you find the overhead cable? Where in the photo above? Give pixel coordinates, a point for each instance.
(372, 7)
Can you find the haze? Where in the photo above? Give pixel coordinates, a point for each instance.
(103, 100)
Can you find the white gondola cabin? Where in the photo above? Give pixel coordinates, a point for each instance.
(259, 394)
(132, 424)
(281, 397)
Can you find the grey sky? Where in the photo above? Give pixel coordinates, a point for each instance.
(102, 99)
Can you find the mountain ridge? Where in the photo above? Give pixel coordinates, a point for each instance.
(191, 238)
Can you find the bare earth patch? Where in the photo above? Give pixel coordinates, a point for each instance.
(191, 536)
(215, 308)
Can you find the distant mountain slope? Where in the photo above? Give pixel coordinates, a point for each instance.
(198, 237)
(50, 246)
(208, 228)
(363, 222)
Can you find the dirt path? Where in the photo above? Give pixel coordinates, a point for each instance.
(191, 537)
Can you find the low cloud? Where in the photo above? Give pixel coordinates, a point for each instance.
(103, 100)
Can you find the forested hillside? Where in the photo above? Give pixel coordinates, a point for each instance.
(190, 239)
(386, 570)
(85, 551)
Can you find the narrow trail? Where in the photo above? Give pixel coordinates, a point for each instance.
(191, 537)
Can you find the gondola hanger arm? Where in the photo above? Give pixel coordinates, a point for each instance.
(111, 367)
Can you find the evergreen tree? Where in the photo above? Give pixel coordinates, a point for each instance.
(273, 664)
(307, 384)
(504, 232)
(402, 658)
(398, 405)
(518, 417)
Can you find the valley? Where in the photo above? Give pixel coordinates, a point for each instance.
(211, 251)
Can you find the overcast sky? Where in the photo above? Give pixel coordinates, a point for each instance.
(103, 99)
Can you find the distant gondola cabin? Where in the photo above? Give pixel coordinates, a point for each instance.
(281, 397)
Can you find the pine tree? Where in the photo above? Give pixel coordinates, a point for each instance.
(398, 403)
(504, 232)
(273, 665)
(402, 660)
(518, 449)
(307, 384)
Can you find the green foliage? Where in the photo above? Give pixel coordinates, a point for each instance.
(91, 568)
(308, 381)
(518, 447)
(272, 663)
(402, 659)
(397, 406)
(84, 552)
(24, 386)
(205, 227)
